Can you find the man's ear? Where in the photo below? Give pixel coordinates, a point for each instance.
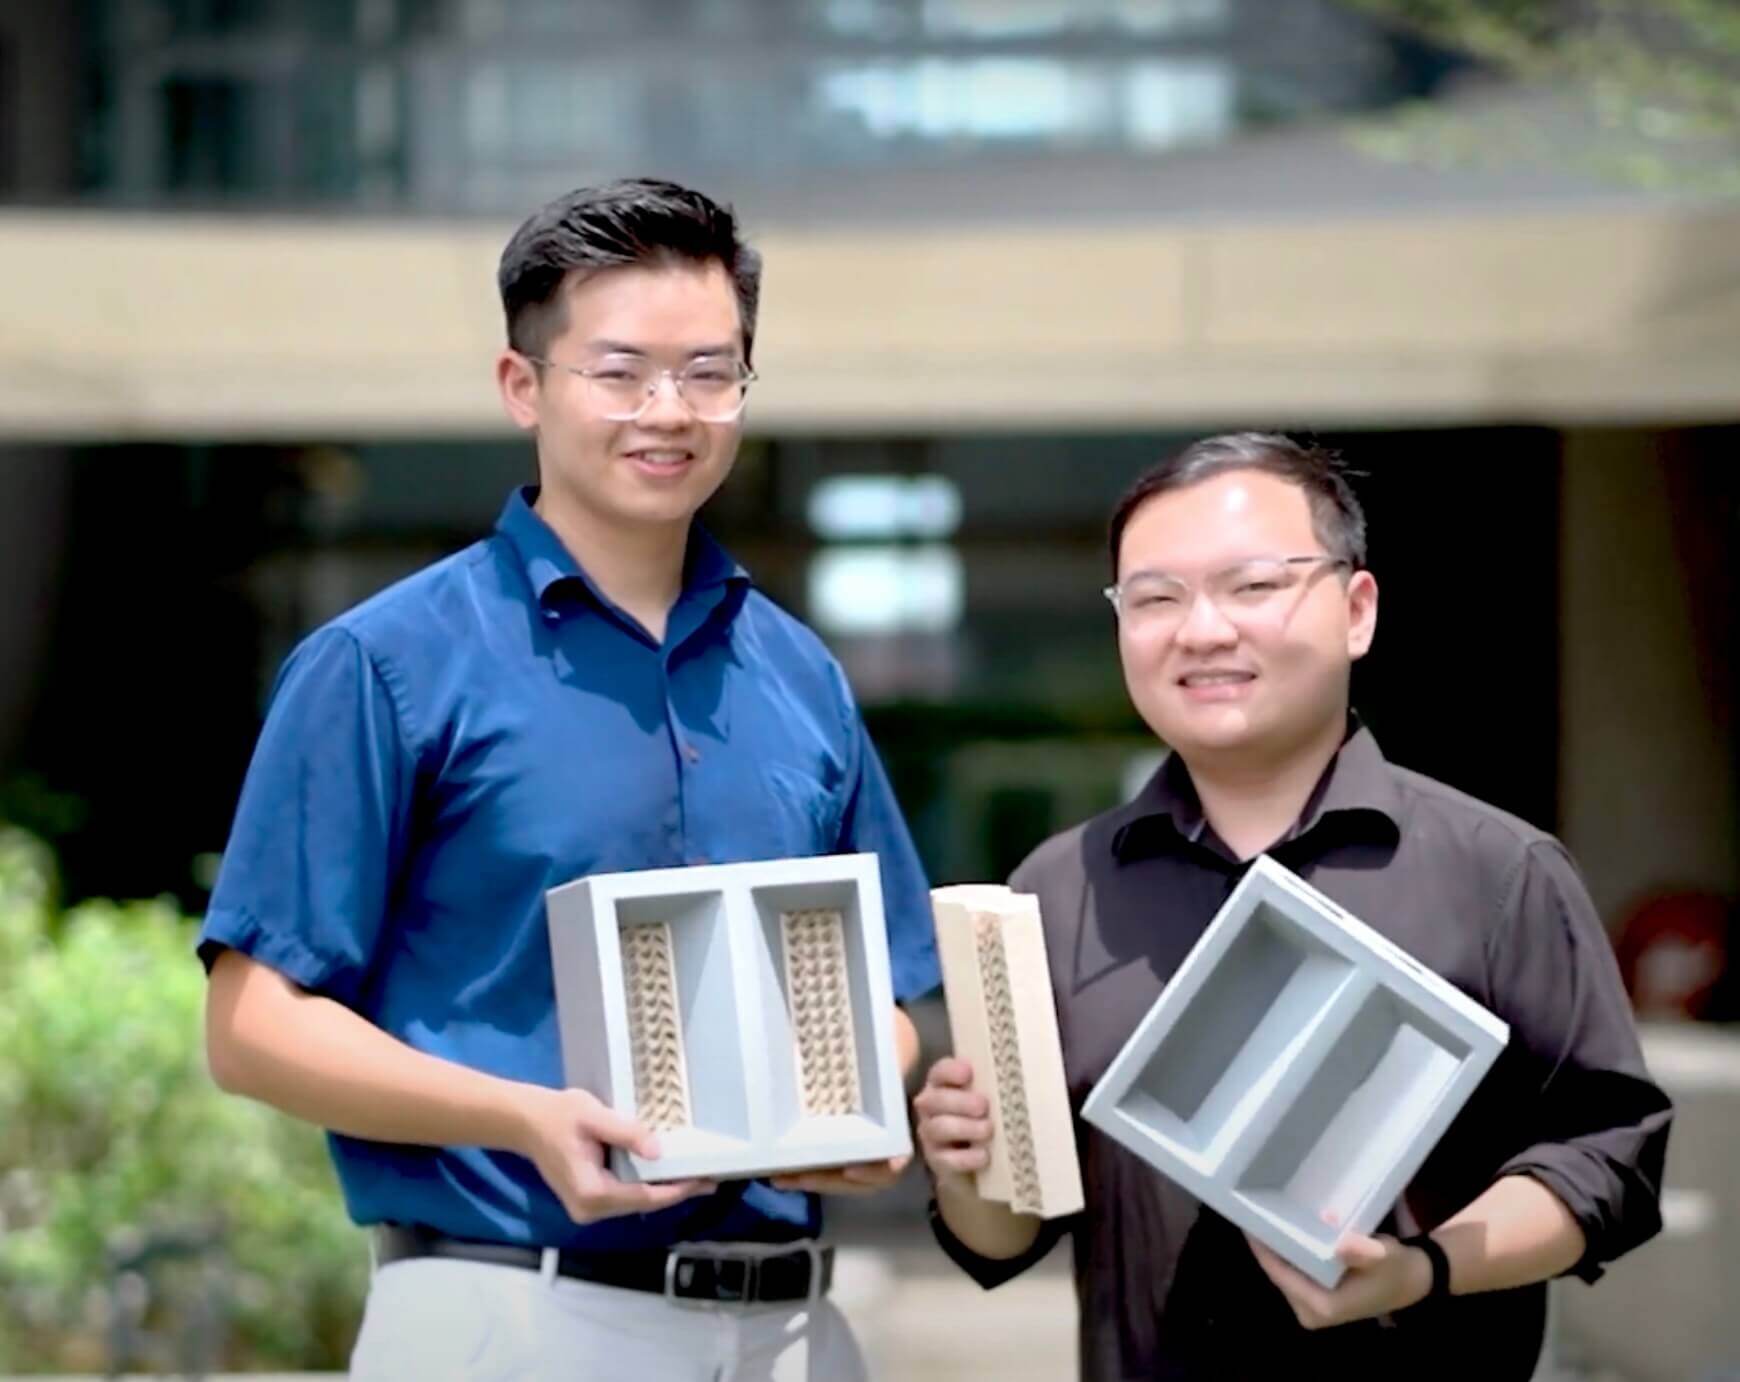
(1362, 611)
(516, 379)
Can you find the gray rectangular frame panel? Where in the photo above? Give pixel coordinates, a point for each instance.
(1299, 1065)
(738, 1041)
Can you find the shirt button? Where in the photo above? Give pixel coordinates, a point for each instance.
(691, 753)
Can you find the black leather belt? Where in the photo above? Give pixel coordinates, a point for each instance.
(689, 1273)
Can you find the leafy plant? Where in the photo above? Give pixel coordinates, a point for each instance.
(1658, 82)
(116, 1150)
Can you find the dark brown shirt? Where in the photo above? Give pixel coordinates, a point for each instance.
(1170, 1290)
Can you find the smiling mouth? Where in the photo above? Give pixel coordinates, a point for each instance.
(661, 458)
(1198, 680)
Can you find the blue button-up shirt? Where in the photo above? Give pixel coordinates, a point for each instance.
(493, 726)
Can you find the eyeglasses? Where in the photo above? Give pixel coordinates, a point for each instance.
(1247, 592)
(622, 387)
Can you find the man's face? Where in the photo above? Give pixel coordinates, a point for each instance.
(1252, 661)
(659, 468)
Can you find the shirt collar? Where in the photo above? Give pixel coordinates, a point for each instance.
(549, 565)
(1357, 792)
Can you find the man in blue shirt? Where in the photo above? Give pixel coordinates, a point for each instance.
(595, 687)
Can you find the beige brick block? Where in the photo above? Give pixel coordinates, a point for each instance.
(1003, 1020)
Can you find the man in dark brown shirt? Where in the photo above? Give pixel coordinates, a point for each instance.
(1243, 601)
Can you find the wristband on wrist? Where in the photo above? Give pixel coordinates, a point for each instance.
(1440, 1260)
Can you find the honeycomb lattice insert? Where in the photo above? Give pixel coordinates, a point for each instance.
(1017, 1121)
(820, 994)
(655, 1025)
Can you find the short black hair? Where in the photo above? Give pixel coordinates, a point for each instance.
(1336, 514)
(633, 221)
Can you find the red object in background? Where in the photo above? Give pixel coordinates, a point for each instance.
(1674, 951)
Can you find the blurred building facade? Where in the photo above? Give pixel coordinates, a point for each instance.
(1016, 248)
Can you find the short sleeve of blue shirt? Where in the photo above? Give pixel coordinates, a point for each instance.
(320, 829)
(437, 759)
(872, 824)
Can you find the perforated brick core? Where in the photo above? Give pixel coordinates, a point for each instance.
(818, 983)
(655, 1023)
(1017, 1120)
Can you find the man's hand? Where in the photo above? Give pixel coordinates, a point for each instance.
(860, 1178)
(1382, 1276)
(954, 1133)
(563, 1132)
(954, 1123)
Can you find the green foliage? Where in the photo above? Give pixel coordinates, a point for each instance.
(1658, 80)
(111, 1132)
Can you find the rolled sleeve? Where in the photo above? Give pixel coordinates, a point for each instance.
(992, 1272)
(871, 823)
(1599, 1123)
(320, 827)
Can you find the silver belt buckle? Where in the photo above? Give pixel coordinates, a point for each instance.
(750, 1257)
(814, 1251)
(686, 1254)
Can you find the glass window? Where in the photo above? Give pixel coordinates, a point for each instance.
(489, 106)
(1178, 101)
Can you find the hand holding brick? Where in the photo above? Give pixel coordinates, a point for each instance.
(1004, 1023)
